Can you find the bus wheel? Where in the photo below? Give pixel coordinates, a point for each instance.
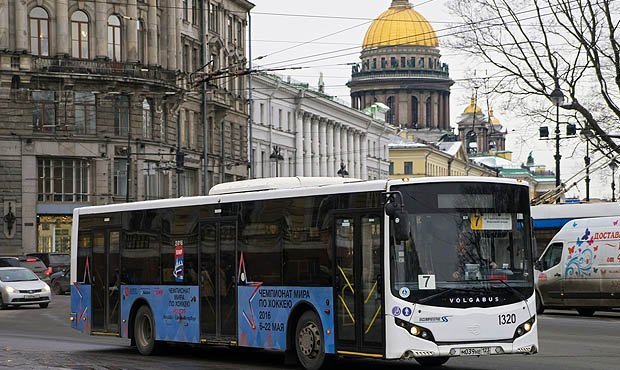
(309, 343)
(432, 361)
(585, 311)
(144, 331)
(540, 308)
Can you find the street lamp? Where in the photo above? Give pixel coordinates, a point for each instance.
(613, 165)
(557, 97)
(275, 155)
(587, 134)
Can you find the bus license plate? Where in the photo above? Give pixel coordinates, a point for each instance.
(475, 351)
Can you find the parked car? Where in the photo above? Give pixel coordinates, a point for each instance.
(57, 261)
(37, 266)
(20, 286)
(9, 262)
(60, 281)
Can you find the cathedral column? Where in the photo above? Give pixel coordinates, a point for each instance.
(357, 153)
(315, 145)
(350, 153)
(307, 146)
(364, 156)
(299, 142)
(62, 27)
(434, 110)
(132, 31)
(337, 148)
(153, 51)
(440, 117)
(330, 149)
(323, 146)
(344, 145)
(4, 24)
(21, 25)
(447, 109)
(171, 33)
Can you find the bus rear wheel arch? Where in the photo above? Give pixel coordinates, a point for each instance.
(144, 331)
(309, 341)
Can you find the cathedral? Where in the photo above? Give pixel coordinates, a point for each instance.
(401, 67)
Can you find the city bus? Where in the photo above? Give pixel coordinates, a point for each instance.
(316, 268)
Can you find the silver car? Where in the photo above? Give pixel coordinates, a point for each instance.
(20, 286)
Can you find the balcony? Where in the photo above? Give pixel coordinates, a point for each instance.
(102, 67)
(400, 74)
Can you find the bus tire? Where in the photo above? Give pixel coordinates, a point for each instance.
(432, 361)
(309, 341)
(540, 308)
(585, 311)
(144, 331)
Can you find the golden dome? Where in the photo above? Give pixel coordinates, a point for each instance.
(400, 25)
(472, 107)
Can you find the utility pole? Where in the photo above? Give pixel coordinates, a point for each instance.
(203, 92)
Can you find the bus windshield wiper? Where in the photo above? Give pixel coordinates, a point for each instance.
(512, 289)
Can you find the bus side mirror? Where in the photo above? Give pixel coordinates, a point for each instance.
(538, 265)
(399, 219)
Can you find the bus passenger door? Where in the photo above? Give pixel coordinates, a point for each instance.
(105, 267)
(218, 251)
(358, 289)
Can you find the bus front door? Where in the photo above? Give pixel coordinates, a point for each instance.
(218, 251)
(105, 267)
(358, 289)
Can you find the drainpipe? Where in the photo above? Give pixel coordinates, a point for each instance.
(251, 169)
(203, 93)
(271, 121)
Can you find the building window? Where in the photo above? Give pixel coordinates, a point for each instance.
(288, 121)
(185, 10)
(391, 168)
(79, 35)
(195, 12)
(196, 55)
(62, 180)
(192, 131)
(428, 112)
(408, 168)
(403, 62)
(120, 177)
(262, 114)
(186, 128)
(239, 40)
(390, 113)
(213, 21)
(85, 112)
(39, 32)
(152, 180)
(186, 57)
(415, 109)
(229, 28)
(141, 41)
(121, 115)
(147, 119)
(115, 51)
(190, 180)
(44, 111)
(280, 119)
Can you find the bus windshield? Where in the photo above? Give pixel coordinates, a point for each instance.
(468, 243)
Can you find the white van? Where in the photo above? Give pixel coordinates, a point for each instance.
(580, 268)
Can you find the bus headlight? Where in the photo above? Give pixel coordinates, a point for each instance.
(415, 330)
(524, 328)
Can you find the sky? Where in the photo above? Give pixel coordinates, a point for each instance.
(308, 38)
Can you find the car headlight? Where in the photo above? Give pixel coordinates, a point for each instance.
(9, 289)
(46, 288)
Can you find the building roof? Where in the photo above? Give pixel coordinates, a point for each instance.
(400, 25)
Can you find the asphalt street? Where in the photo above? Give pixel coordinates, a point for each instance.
(34, 338)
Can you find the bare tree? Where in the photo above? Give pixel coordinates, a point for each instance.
(539, 44)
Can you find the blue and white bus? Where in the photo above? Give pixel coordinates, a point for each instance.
(315, 267)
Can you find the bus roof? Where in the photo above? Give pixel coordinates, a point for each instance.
(556, 215)
(283, 187)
